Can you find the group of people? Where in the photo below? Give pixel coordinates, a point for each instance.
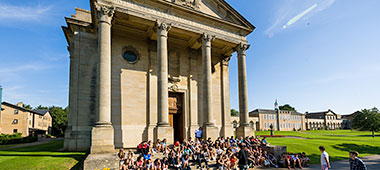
(228, 153)
(225, 153)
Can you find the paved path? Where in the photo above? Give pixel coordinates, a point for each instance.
(41, 141)
(372, 162)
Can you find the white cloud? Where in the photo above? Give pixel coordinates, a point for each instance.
(26, 67)
(299, 16)
(25, 13)
(289, 14)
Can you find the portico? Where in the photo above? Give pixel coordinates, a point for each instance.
(147, 70)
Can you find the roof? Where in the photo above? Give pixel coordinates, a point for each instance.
(318, 114)
(42, 112)
(22, 109)
(255, 112)
(351, 116)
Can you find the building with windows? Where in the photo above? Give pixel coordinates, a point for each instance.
(16, 119)
(145, 70)
(281, 120)
(348, 119)
(253, 122)
(323, 120)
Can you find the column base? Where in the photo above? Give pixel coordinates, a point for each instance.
(164, 132)
(101, 161)
(228, 131)
(244, 131)
(102, 139)
(210, 131)
(66, 142)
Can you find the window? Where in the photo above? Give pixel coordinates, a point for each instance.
(251, 124)
(234, 124)
(15, 121)
(16, 111)
(14, 130)
(130, 56)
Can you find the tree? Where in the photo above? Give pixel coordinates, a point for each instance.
(287, 107)
(27, 106)
(367, 120)
(60, 118)
(234, 112)
(39, 107)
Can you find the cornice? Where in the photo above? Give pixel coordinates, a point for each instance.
(153, 15)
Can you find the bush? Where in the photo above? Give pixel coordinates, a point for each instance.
(16, 138)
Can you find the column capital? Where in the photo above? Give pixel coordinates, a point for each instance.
(207, 37)
(242, 47)
(105, 13)
(162, 26)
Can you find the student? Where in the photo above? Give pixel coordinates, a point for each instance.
(198, 133)
(355, 162)
(243, 157)
(325, 163)
(121, 156)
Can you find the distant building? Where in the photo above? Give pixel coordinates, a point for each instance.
(16, 119)
(253, 122)
(323, 120)
(347, 120)
(288, 120)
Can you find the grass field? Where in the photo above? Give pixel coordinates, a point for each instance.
(44, 156)
(337, 142)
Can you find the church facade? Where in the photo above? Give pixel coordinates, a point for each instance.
(153, 69)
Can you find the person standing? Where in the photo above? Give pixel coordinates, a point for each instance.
(198, 133)
(355, 162)
(325, 163)
(243, 157)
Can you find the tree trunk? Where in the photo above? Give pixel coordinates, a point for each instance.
(373, 133)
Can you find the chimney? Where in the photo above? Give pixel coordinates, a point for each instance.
(19, 104)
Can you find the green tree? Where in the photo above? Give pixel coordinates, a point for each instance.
(40, 107)
(27, 106)
(367, 120)
(287, 107)
(234, 112)
(60, 118)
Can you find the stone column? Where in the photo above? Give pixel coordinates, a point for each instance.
(244, 129)
(209, 128)
(102, 133)
(163, 129)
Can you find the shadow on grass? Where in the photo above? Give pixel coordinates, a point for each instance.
(362, 149)
(78, 157)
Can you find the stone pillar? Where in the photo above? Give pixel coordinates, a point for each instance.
(244, 129)
(209, 128)
(163, 129)
(102, 140)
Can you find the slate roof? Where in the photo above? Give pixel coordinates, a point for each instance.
(23, 109)
(255, 113)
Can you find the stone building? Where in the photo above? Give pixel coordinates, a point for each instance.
(323, 120)
(16, 119)
(348, 119)
(145, 70)
(281, 120)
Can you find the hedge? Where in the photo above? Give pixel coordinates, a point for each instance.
(16, 138)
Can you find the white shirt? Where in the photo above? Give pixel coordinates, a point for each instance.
(323, 156)
(198, 133)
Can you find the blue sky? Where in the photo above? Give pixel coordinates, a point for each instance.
(313, 54)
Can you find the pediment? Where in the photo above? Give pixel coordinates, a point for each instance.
(219, 9)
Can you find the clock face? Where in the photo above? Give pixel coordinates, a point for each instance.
(131, 57)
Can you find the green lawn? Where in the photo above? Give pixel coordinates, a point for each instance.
(338, 143)
(44, 156)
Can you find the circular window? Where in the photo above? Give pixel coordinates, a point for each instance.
(130, 56)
